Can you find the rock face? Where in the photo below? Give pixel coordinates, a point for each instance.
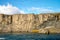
(28, 22)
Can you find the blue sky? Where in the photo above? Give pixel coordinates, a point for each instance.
(34, 6)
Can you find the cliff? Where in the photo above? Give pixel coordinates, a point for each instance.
(42, 23)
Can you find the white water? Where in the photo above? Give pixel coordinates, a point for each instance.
(2, 38)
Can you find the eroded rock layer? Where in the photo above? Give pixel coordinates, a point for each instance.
(29, 22)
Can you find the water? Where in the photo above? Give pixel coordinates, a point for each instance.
(29, 36)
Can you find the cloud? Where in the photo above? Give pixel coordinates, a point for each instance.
(40, 10)
(9, 9)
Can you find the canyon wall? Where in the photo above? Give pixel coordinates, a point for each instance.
(28, 22)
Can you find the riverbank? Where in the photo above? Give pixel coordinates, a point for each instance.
(40, 31)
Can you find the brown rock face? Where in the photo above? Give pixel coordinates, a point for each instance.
(28, 22)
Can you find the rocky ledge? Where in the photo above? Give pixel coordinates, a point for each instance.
(40, 23)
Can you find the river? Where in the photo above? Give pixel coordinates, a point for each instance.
(29, 36)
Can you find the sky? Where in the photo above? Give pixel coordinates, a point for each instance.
(29, 6)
